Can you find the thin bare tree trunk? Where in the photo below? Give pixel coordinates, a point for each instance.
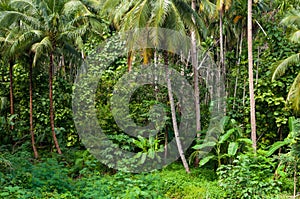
(11, 91)
(238, 64)
(129, 60)
(257, 65)
(31, 114)
(244, 93)
(250, 72)
(173, 113)
(235, 88)
(166, 145)
(51, 104)
(222, 66)
(196, 81)
(295, 180)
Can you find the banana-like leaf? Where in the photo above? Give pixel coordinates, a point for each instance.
(232, 148)
(204, 145)
(291, 123)
(206, 160)
(275, 146)
(144, 156)
(245, 140)
(225, 137)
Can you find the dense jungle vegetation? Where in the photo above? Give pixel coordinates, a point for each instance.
(250, 50)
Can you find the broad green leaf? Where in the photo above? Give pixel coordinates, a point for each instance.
(151, 153)
(144, 156)
(232, 148)
(206, 159)
(204, 145)
(225, 137)
(275, 146)
(245, 140)
(224, 121)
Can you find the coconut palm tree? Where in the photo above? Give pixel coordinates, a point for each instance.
(174, 14)
(12, 55)
(293, 21)
(7, 39)
(4, 5)
(46, 27)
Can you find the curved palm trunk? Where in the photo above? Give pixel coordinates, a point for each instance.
(196, 81)
(51, 104)
(250, 72)
(31, 114)
(173, 113)
(11, 91)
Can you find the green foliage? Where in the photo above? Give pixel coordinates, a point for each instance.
(77, 174)
(51, 175)
(226, 146)
(249, 177)
(199, 184)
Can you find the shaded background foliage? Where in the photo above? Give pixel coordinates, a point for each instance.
(77, 174)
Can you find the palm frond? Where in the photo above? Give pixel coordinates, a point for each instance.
(159, 13)
(186, 13)
(294, 94)
(40, 48)
(282, 66)
(24, 40)
(24, 4)
(174, 20)
(74, 32)
(138, 16)
(75, 7)
(7, 18)
(292, 18)
(295, 37)
(119, 11)
(227, 4)
(207, 7)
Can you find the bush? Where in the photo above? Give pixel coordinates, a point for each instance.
(249, 177)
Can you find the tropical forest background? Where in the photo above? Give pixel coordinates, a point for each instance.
(255, 46)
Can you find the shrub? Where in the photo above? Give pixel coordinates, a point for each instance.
(249, 177)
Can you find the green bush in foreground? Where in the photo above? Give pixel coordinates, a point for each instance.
(249, 177)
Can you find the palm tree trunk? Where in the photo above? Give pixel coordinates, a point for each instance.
(173, 113)
(250, 72)
(11, 91)
(31, 114)
(51, 104)
(196, 81)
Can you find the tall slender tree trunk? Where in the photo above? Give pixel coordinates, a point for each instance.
(250, 72)
(239, 49)
(173, 113)
(295, 180)
(196, 80)
(222, 59)
(31, 114)
(51, 103)
(11, 91)
(129, 60)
